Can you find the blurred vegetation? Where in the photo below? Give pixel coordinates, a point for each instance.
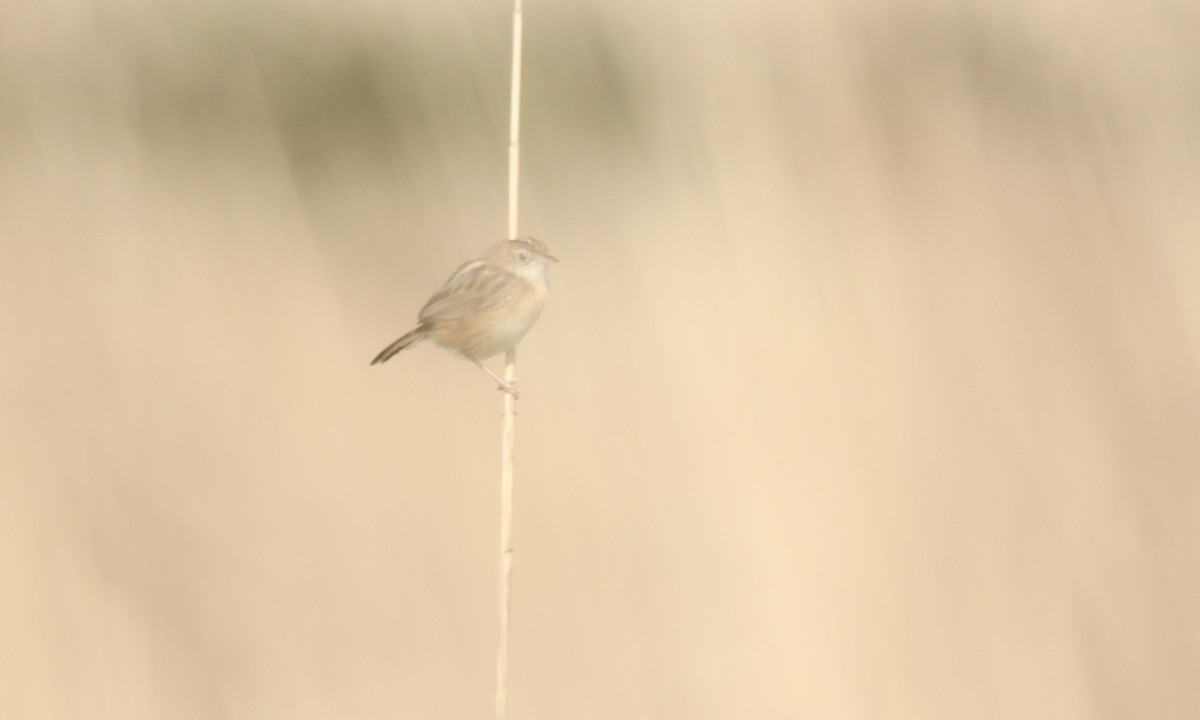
(867, 388)
(334, 93)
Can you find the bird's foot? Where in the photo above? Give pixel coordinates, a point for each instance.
(510, 387)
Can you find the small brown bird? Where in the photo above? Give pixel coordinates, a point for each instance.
(486, 306)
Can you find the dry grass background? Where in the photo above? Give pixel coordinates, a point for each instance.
(870, 386)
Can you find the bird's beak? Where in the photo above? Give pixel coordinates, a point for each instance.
(551, 258)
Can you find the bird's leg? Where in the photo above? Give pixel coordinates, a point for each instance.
(508, 387)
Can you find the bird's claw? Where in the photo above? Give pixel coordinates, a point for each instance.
(510, 388)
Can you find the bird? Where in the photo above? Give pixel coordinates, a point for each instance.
(486, 307)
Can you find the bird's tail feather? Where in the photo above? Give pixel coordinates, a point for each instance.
(411, 338)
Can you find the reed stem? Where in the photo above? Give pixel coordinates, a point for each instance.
(508, 428)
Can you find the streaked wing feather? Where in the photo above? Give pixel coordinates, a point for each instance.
(473, 289)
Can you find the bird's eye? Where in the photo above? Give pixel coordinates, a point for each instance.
(524, 256)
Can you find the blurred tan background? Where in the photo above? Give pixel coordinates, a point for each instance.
(869, 387)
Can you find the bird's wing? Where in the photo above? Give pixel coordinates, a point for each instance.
(474, 288)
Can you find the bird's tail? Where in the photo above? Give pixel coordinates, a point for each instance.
(411, 338)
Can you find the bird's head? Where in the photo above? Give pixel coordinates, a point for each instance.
(524, 256)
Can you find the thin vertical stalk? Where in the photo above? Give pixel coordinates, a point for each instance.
(514, 125)
(506, 550)
(508, 430)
